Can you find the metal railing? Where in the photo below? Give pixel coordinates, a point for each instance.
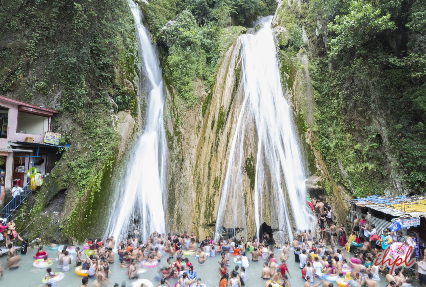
(12, 205)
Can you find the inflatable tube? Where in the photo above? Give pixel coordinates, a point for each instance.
(237, 261)
(146, 264)
(278, 284)
(40, 256)
(39, 263)
(72, 258)
(145, 282)
(70, 249)
(346, 270)
(80, 272)
(341, 282)
(355, 260)
(89, 252)
(3, 251)
(313, 256)
(55, 247)
(86, 246)
(58, 277)
(31, 172)
(354, 243)
(188, 252)
(329, 277)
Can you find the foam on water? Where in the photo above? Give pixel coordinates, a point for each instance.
(279, 165)
(140, 193)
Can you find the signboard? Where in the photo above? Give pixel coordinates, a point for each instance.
(52, 138)
(410, 222)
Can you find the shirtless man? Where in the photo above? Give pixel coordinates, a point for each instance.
(389, 278)
(202, 257)
(309, 244)
(295, 243)
(333, 231)
(399, 278)
(266, 272)
(286, 248)
(157, 254)
(277, 277)
(193, 237)
(85, 282)
(310, 235)
(284, 256)
(355, 226)
(99, 281)
(12, 258)
(132, 271)
(255, 255)
(320, 207)
(110, 256)
(364, 248)
(193, 245)
(339, 266)
(272, 265)
(370, 282)
(111, 242)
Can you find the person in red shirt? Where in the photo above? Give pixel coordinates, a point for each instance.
(223, 270)
(41, 252)
(188, 264)
(283, 268)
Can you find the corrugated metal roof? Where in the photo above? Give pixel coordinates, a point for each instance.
(399, 206)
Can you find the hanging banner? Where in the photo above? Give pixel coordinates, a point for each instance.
(410, 222)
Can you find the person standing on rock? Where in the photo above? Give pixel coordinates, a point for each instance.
(355, 226)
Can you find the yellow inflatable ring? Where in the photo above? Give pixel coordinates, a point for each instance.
(313, 256)
(89, 252)
(273, 284)
(80, 272)
(32, 172)
(341, 282)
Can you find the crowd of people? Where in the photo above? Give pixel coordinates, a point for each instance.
(322, 254)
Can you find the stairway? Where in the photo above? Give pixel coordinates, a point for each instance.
(12, 205)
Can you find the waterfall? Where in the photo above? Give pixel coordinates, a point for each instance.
(140, 194)
(279, 167)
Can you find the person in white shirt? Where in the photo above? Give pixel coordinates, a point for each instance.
(317, 266)
(421, 268)
(303, 258)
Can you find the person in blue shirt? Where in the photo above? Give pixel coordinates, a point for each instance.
(191, 273)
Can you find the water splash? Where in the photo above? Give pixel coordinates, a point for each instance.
(140, 194)
(278, 160)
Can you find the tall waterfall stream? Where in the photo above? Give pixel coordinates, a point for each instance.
(279, 167)
(140, 194)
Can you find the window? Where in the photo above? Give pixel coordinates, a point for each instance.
(4, 121)
(32, 124)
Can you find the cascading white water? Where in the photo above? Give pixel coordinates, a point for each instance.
(140, 193)
(278, 160)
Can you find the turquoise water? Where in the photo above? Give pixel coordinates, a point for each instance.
(28, 276)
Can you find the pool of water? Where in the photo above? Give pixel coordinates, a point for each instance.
(28, 276)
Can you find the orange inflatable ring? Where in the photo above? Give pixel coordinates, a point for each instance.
(80, 272)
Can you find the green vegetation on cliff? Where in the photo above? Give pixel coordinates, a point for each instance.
(80, 58)
(367, 63)
(192, 36)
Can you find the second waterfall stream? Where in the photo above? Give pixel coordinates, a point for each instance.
(279, 167)
(140, 194)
